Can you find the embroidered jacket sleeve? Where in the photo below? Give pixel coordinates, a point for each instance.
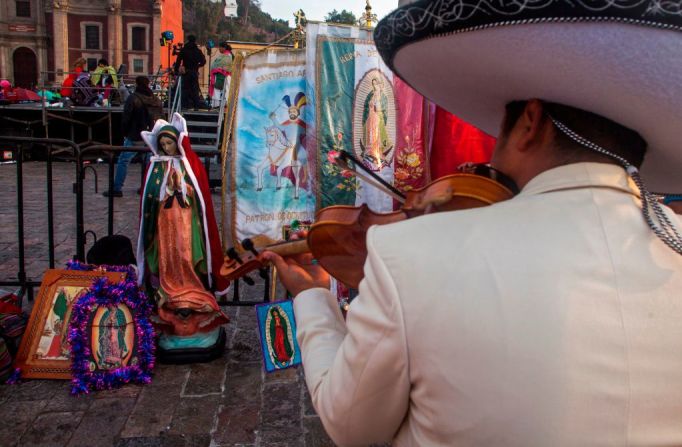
(357, 371)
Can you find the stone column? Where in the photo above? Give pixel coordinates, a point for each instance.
(115, 42)
(154, 38)
(60, 39)
(6, 63)
(4, 45)
(41, 44)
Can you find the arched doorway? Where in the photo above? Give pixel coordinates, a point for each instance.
(25, 68)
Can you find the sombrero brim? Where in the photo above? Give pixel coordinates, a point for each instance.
(627, 70)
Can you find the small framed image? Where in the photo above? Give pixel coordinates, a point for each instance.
(111, 333)
(44, 352)
(111, 337)
(277, 330)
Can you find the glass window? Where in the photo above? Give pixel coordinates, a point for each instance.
(23, 8)
(92, 37)
(138, 66)
(139, 38)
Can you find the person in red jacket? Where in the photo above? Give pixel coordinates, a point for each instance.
(78, 67)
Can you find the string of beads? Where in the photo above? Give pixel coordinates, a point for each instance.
(658, 221)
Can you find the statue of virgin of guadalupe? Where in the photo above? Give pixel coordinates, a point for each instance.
(178, 249)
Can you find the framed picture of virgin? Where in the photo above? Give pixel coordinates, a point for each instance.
(45, 352)
(277, 330)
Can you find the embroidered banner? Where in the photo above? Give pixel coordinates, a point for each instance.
(359, 108)
(411, 159)
(270, 176)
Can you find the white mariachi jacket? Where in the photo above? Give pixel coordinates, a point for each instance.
(552, 319)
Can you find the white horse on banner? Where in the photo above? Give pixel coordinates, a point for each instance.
(282, 159)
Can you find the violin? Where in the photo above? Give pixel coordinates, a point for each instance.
(337, 239)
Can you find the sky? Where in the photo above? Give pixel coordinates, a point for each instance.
(317, 9)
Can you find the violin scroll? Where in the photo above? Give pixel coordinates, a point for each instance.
(247, 259)
(234, 262)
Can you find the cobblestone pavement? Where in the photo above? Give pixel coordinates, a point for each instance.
(227, 402)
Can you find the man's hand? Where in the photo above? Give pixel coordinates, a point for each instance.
(298, 273)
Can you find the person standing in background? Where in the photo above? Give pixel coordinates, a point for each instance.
(78, 67)
(104, 77)
(140, 111)
(221, 72)
(187, 66)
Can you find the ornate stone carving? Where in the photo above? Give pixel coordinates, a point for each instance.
(114, 6)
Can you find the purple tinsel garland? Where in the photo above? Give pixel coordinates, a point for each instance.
(105, 293)
(77, 265)
(15, 377)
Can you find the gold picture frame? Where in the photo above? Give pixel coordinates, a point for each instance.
(44, 352)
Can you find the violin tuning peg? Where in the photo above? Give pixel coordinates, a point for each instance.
(248, 245)
(232, 254)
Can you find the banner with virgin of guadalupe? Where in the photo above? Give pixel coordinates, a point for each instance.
(361, 108)
(271, 177)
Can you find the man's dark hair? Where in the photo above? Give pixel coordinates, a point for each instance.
(226, 45)
(102, 62)
(608, 134)
(191, 38)
(142, 81)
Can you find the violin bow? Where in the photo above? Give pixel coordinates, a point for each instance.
(369, 176)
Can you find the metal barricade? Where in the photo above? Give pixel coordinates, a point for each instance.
(21, 146)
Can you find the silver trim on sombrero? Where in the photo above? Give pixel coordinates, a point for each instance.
(661, 225)
(419, 22)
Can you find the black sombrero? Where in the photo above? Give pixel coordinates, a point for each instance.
(621, 59)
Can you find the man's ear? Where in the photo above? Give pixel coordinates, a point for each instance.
(530, 126)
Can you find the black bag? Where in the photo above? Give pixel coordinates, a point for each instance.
(83, 92)
(112, 250)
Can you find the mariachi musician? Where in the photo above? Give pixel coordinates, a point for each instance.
(553, 318)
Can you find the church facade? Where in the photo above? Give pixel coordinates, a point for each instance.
(45, 37)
